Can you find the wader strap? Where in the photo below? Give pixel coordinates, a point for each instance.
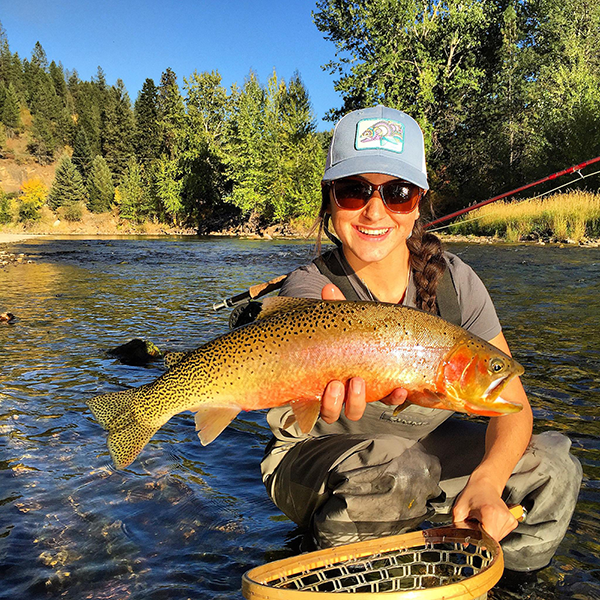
(446, 296)
(446, 299)
(329, 265)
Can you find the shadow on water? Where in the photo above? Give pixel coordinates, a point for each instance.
(186, 521)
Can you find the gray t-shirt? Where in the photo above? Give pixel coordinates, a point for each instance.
(478, 316)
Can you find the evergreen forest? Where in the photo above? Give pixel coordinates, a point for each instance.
(506, 91)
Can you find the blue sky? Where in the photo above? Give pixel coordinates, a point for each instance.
(136, 39)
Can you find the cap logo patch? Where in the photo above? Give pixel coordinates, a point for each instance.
(379, 134)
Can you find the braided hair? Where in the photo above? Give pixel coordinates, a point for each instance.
(426, 255)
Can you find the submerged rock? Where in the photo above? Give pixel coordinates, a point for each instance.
(136, 352)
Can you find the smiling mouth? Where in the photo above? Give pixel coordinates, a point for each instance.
(373, 232)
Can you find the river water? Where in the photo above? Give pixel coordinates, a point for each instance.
(186, 521)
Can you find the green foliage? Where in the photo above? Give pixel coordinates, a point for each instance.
(171, 113)
(203, 151)
(72, 211)
(67, 187)
(100, 186)
(274, 160)
(132, 195)
(6, 213)
(117, 132)
(168, 186)
(10, 114)
(146, 141)
(82, 154)
(505, 91)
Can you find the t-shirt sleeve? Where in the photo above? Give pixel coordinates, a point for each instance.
(477, 309)
(304, 282)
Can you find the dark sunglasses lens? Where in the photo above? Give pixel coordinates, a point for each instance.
(351, 194)
(401, 196)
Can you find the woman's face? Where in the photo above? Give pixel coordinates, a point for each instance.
(372, 233)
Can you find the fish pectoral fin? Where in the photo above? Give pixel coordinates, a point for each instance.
(306, 412)
(210, 422)
(429, 399)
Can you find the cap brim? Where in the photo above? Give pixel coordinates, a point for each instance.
(376, 163)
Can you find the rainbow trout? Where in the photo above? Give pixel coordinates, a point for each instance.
(290, 353)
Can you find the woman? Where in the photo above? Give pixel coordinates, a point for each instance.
(364, 470)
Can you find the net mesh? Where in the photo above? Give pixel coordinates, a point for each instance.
(415, 568)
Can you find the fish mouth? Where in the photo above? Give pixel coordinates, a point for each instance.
(492, 395)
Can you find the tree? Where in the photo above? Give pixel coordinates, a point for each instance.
(132, 194)
(167, 189)
(87, 106)
(147, 142)
(31, 199)
(100, 186)
(67, 187)
(202, 156)
(11, 110)
(6, 213)
(82, 154)
(566, 89)
(117, 130)
(171, 112)
(274, 159)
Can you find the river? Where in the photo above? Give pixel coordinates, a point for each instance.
(186, 521)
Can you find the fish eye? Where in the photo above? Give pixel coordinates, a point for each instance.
(496, 365)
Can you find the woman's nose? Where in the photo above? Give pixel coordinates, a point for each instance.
(375, 207)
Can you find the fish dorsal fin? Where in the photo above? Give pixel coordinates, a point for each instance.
(282, 304)
(306, 413)
(173, 358)
(211, 421)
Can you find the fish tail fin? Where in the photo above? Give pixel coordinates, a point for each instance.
(127, 436)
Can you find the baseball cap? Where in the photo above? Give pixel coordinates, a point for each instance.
(377, 140)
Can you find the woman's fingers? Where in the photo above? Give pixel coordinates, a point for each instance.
(355, 399)
(332, 401)
(397, 397)
(337, 395)
(332, 292)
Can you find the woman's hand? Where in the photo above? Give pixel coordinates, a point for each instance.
(479, 501)
(353, 395)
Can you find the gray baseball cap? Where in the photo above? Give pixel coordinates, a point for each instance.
(377, 140)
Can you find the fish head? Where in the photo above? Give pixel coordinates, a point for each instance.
(473, 375)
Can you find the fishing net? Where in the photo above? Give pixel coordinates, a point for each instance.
(437, 564)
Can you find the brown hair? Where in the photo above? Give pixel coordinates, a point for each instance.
(426, 255)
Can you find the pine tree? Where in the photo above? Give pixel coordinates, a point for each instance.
(82, 153)
(132, 194)
(39, 58)
(87, 112)
(11, 110)
(43, 145)
(117, 130)
(171, 114)
(100, 186)
(147, 142)
(67, 187)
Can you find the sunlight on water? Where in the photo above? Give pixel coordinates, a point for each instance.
(186, 521)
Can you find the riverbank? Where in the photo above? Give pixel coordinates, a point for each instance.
(6, 256)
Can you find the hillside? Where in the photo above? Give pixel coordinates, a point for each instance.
(17, 166)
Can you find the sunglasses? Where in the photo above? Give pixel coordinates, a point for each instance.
(354, 193)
